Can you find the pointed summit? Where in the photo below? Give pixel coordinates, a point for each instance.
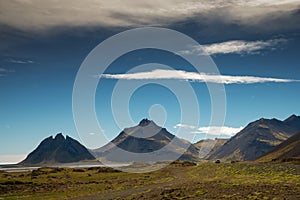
(145, 122)
(291, 118)
(59, 137)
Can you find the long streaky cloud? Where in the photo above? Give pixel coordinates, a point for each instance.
(159, 74)
(20, 61)
(41, 15)
(234, 47)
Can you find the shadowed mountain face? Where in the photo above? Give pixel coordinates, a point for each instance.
(257, 138)
(58, 150)
(146, 137)
(288, 150)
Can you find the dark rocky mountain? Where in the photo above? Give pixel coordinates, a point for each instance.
(293, 121)
(208, 146)
(146, 138)
(58, 150)
(257, 138)
(288, 150)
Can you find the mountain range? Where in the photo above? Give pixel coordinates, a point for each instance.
(266, 139)
(257, 138)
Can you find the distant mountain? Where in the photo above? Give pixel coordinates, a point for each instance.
(146, 137)
(58, 150)
(257, 138)
(208, 146)
(288, 150)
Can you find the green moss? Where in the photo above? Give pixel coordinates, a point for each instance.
(208, 180)
(200, 192)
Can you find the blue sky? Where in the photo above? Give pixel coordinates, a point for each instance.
(43, 45)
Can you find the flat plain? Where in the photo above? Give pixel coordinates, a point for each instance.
(180, 180)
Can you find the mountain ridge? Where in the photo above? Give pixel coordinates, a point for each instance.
(257, 138)
(288, 150)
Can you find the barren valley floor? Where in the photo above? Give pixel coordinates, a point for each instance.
(177, 181)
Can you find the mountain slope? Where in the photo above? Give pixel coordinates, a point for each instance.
(146, 138)
(287, 150)
(58, 150)
(257, 138)
(208, 146)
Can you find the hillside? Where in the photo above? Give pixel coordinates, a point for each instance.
(288, 150)
(257, 138)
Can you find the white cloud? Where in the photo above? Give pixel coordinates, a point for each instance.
(36, 14)
(234, 47)
(4, 72)
(211, 130)
(20, 61)
(184, 126)
(193, 76)
(272, 2)
(218, 130)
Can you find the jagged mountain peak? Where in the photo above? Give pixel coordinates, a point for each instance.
(265, 120)
(58, 150)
